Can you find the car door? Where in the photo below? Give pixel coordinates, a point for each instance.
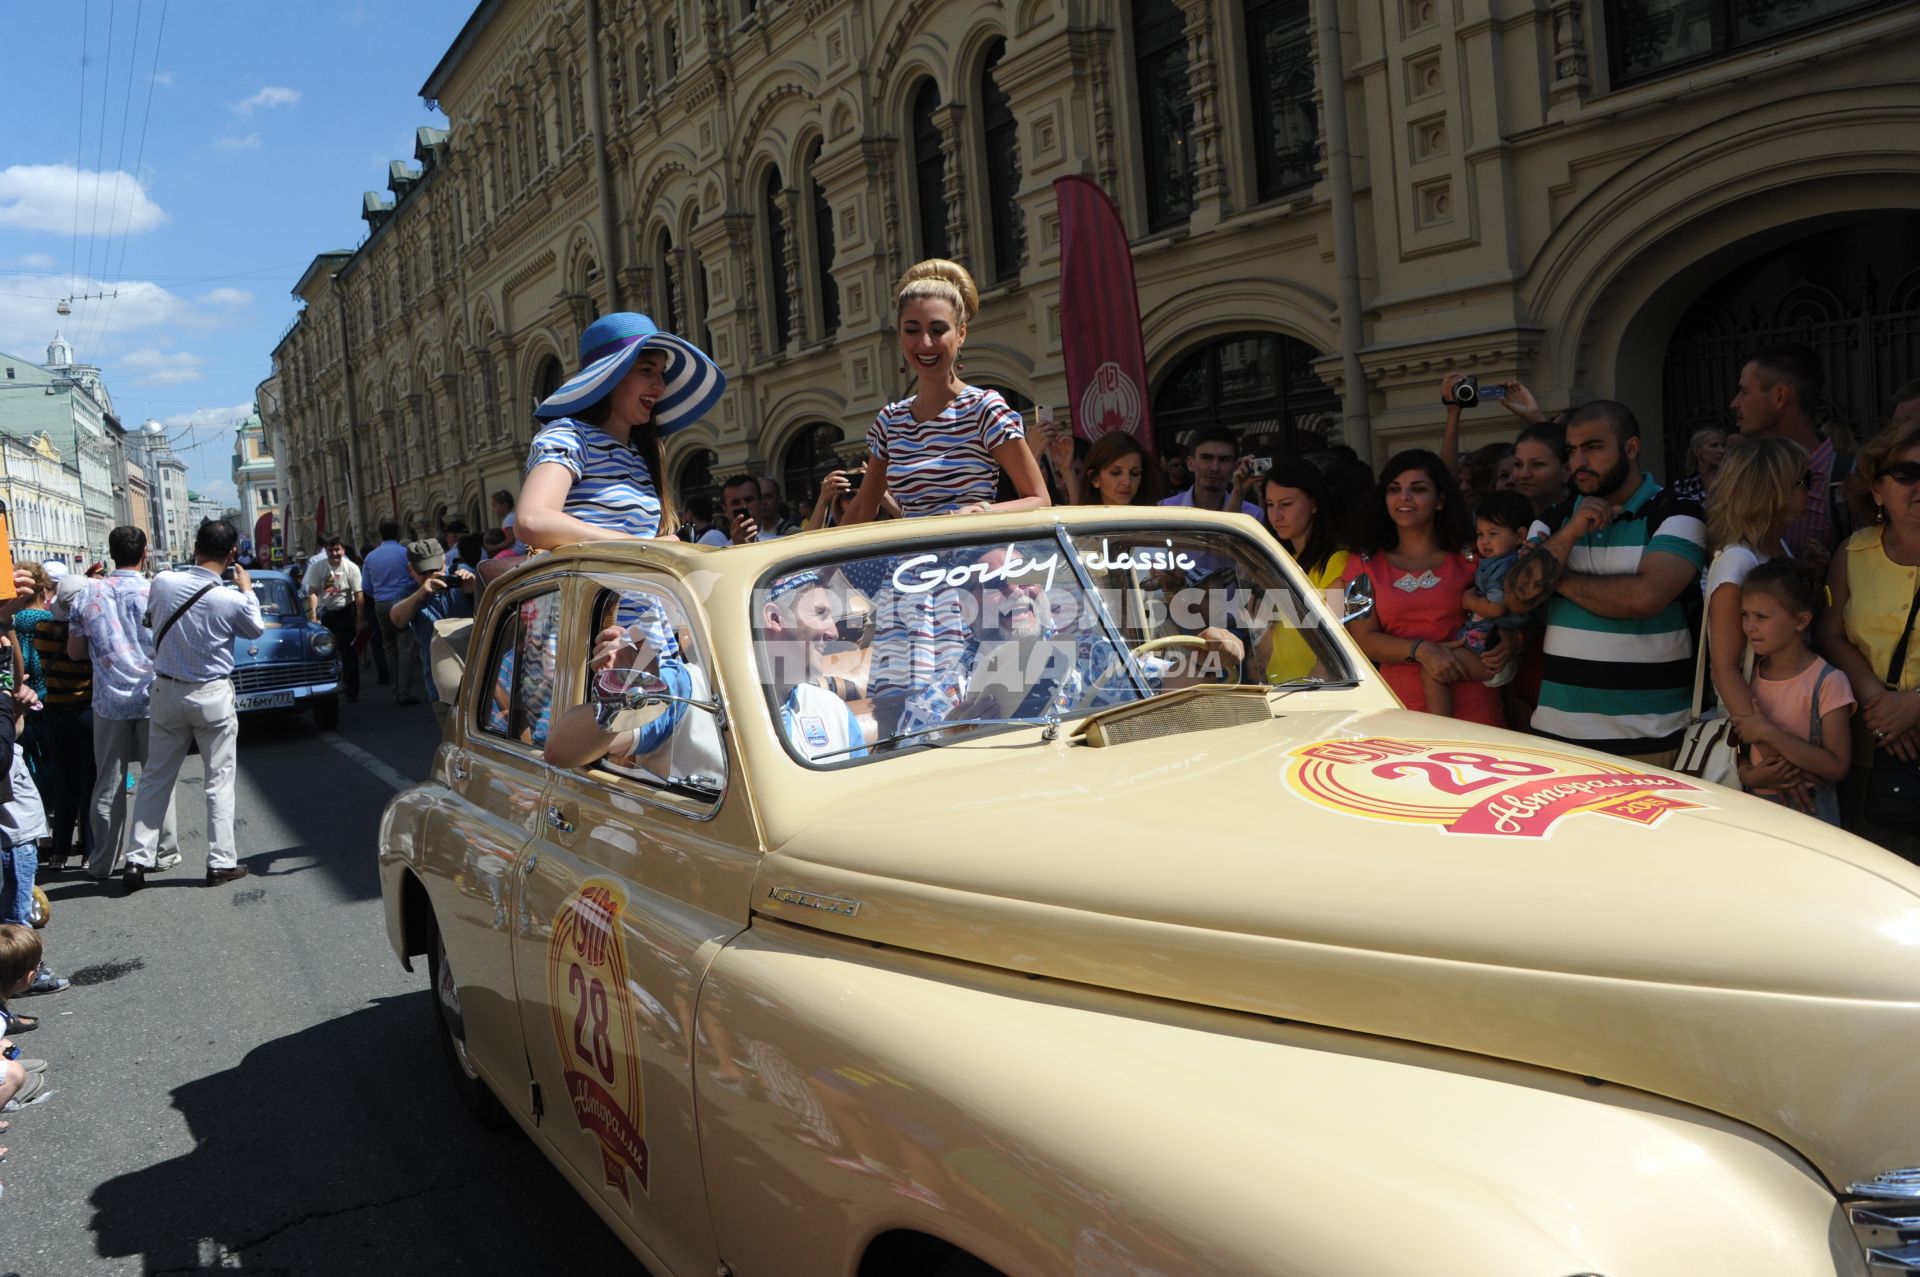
(493, 763)
(642, 872)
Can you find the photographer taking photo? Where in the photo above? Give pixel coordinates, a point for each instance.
(439, 593)
(195, 620)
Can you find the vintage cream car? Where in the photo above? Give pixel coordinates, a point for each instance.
(1061, 893)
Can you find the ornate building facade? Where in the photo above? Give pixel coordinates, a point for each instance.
(1597, 196)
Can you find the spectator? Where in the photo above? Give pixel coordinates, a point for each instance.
(387, 581)
(1540, 466)
(439, 592)
(942, 451)
(1063, 454)
(69, 716)
(1173, 465)
(700, 523)
(19, 970)
(1219, 475)
(1500, 528)
(1409, 538)
(836, 494)
(1906, 404)
(23, 818)
(1612, 568)
(1706, 449)
(501, 503)
(1488, 469)
(1779, 388)
(337, 599)
(1117, 471)
(1303, 518)
(110, 629)
(768, 513)
(740, 500)
(1759, 490)
(1872, 587)
(1801, 703)
(195, 621)
(26, 623)
(495, 544)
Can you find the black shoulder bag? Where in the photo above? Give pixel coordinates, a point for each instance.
(1893, 784)
(160, 634)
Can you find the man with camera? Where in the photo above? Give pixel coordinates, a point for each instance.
(439, 592)
(195, 619)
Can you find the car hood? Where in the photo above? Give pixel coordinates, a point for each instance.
(1582, 915)
(284, 640)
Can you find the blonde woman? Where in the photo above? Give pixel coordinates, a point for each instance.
(942, 451)
(1758, 490)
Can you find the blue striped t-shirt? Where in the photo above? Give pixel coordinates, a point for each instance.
(941, 465)
(612, 485)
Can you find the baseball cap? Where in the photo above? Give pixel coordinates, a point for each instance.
(426, 556)
(63, 595)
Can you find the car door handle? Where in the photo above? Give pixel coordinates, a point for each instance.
(557, 819)
(457, 769)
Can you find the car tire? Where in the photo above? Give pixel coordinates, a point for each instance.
(472, 1089)
(326, 712)
(960, 1264)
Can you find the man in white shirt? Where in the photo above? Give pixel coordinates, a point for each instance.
(195, 620)
(336, 599)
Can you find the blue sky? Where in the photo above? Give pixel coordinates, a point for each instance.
(267, 122)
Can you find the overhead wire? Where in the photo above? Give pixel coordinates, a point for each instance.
(79, 145)
(100, 152)
(140, 152)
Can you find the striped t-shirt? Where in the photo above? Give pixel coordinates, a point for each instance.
(1623, 685)
(940, 465)
(612, 486)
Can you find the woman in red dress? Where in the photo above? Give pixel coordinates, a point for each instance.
(1408, 536)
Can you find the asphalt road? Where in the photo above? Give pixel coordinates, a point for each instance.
(245, 1077)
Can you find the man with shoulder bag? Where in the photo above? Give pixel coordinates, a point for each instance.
(195, 620)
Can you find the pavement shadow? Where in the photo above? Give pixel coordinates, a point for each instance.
(342, 1149)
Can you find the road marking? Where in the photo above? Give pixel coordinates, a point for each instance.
(400, 783)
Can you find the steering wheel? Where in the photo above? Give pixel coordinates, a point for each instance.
(1151, 645)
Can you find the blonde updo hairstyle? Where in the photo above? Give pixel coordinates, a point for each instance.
(938, 279)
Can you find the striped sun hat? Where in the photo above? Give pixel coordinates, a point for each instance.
(608, 348)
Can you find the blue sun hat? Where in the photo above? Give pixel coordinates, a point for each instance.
(608, 348)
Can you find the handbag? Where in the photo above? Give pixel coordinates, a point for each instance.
(1708, 749)
(1893, 784)
(42, 911)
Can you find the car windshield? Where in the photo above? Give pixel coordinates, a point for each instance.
(275, 598)
(865, 654)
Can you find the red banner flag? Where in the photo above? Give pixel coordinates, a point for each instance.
(320, 516)
(263, 537)
(1100, 316)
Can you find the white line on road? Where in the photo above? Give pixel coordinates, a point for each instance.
(367, 761)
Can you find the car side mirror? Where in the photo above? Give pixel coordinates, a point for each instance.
(619, 691)
(1359, 599)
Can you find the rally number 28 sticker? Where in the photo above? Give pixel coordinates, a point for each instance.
(594, 1027)
(1501, 791)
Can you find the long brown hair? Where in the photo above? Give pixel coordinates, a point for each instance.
(1112, 447)
(645, 440)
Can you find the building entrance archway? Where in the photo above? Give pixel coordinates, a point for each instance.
(1260, 385)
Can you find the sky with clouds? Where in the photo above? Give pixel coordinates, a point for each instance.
(197, 161)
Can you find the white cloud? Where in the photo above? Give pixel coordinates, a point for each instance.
(271, 96)
(28, 321)
(227, 297)
(40, 197)
(203, 419)
(35, 261)
(163, 77)
(221, 490)
(245, 142)
(163, 368)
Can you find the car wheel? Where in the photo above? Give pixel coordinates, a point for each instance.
(326, 712)
(960, 1264)
(467, 1083)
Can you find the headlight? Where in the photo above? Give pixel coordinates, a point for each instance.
(323, 644)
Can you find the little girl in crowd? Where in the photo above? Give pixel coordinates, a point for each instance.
(1500, 529)
(1801, 703)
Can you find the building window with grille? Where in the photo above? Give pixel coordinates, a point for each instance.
(1286, 127)
(669, 295)
(670, 48)
(809, 459)
(1166, 110)
(823, 249)
(781, 305)
(1648, 38)
(1002, 136)
(929, 173)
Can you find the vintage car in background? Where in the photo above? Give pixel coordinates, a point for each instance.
(293, 666)
(961, 901)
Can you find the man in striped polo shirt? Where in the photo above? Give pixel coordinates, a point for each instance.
(1614, 566)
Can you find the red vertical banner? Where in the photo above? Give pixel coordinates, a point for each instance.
(320, 516)
(263, 538)
(1100, 316)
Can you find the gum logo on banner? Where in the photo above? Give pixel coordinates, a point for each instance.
(593, 1024)
(1516, 792)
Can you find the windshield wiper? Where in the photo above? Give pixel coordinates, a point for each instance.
(1313, 683)
(1051, 722)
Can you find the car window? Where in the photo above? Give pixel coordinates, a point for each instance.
(673, 746)
(276, 598)
(864, 654)
(517, 703)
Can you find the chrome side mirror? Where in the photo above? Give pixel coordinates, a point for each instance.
(1359, 599)
(616, 692)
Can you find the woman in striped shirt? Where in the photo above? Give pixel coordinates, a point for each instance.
(942, 451)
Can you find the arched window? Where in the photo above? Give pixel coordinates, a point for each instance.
(1166, 110)
(1002, 136)
(1286, 127)
(670, 48)
(697, 321)
(780, 306)
(809, 457)
(694, 479)
(823, 249)
(929, 173)
(1260, 385)
(669, 296)
(547, 376)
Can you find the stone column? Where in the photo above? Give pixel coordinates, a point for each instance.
(951, 120)
(787, 201)
(1203, 85)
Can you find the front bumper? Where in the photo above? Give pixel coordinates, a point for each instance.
(284, 685)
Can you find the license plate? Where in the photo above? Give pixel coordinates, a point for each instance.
(263, 700)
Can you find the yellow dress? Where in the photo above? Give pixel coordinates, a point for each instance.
(1879, 595)
(1291, 655)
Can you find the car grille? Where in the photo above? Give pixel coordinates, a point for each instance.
(278, 677)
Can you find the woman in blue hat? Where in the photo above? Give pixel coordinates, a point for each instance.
(595, 473)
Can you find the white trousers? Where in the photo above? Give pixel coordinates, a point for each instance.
(184, 713)
(119, 748)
